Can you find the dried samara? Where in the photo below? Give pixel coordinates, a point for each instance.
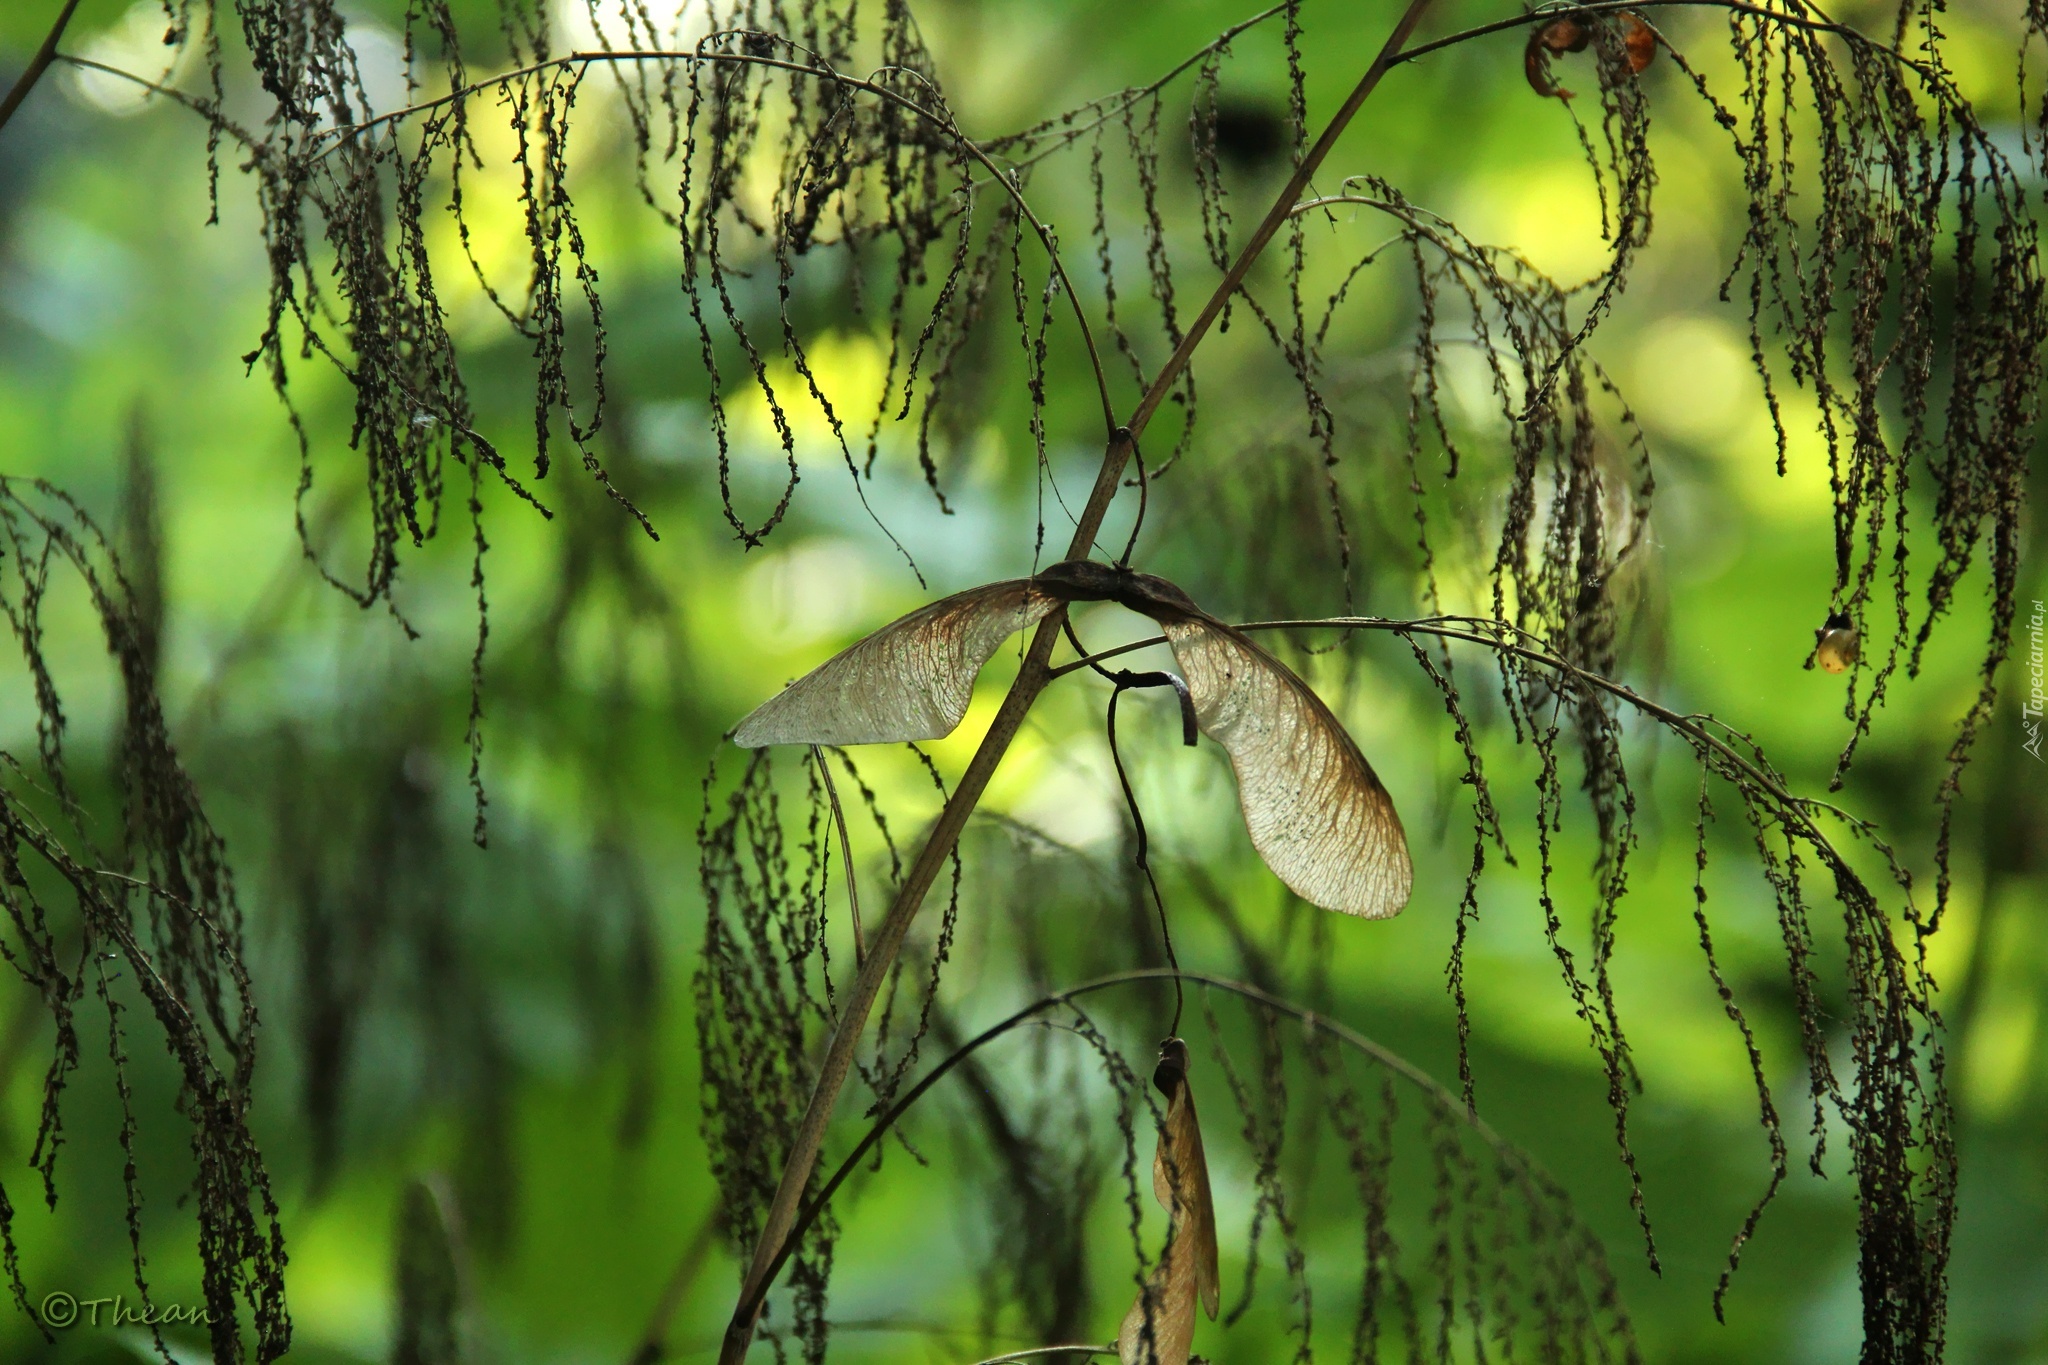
(1160, 1328)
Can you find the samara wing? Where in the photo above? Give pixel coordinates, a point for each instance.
(1317, 813)
(1180, 1179)
(912, 679)
(1159, 1329)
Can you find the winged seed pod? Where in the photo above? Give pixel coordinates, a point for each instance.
(1160, 1328)
(1640, 40)
(1315, 809)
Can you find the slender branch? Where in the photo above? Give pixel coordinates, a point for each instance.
(1032, 677)
(334, 136)
(1324, 201)
(1312, 1022)
(1481, 631)
(1112, 105)
(260, 623)
(1277, 215)
(37, 64)
(1037, 1351)
(1549, 12)
(1691, 725)
(206, 109)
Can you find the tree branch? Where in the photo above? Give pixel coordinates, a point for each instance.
(653, 1343)
(37, 64)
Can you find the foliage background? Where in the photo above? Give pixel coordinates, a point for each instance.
(518, 1020)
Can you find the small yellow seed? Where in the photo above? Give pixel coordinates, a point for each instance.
(1837, 648)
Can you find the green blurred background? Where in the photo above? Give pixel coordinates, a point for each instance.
(515, 1024)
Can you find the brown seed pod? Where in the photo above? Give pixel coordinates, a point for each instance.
(1570, 35)
(1836, 644)
(1187, 1270)
(1564, 35)
(1641, 41)
(1559, 35)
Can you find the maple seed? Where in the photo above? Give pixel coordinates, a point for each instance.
(1160, 1328)
(1315, 810)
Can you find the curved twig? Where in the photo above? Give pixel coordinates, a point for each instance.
(336, 135)
(1112, 105)
(1312, 1022)
(653, 1343)
(1693, 725)
(1545, 13)
(206, 109)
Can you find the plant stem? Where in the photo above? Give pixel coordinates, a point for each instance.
(37, 65)
(1032, 678)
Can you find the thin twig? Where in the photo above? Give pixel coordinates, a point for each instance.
(1692, 726)
(334, 136)
(206, 109)
(1125, 681)
(1275, 217)
(1112, 105)
(261, 622)
(860, 950)
(1549, 12)
(37, 65)
(1451, 1104)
